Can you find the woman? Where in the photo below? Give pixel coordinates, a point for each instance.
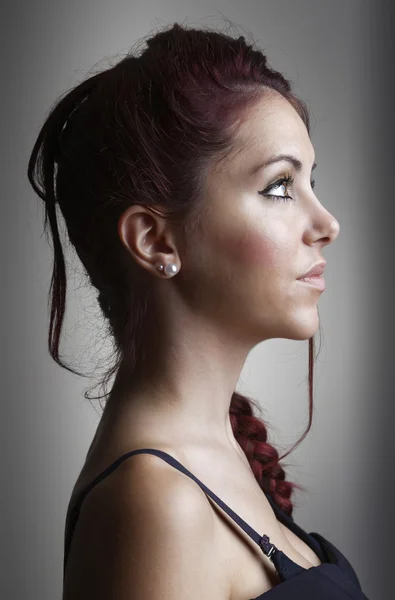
(184, 177)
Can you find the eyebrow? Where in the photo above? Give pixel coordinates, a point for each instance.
(287, 157)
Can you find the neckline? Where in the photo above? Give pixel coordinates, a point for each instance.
(285, 566)
(312, 540)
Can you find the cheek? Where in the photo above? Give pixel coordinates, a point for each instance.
(251, 249)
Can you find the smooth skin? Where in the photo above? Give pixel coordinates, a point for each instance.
(148, 532)
(145, 533)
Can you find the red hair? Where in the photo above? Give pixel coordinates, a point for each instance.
(144, 131)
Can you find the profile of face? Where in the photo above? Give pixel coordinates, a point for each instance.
(239, 269)
(252, 247)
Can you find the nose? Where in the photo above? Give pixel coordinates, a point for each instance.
(324, 226)
(333, 229)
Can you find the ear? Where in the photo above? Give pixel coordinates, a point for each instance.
(148, 237)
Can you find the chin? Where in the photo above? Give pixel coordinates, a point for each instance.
(295, 330)
(301, 326)
(297, 324)
(304, 328)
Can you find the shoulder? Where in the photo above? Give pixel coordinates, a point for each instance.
(145, 531)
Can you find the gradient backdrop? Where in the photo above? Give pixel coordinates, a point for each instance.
(339, 56)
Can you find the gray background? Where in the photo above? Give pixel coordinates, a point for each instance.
(339, 56)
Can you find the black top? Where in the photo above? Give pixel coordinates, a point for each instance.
(334, 579)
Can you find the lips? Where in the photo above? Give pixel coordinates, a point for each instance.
(316, 271)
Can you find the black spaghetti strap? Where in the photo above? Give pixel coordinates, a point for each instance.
(285, 566)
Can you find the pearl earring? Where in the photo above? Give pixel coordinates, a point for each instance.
(170, 269)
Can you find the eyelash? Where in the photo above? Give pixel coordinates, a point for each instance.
(289, 180)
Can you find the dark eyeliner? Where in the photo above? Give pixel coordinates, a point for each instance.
(288, 181)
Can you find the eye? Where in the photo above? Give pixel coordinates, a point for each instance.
(283, 182)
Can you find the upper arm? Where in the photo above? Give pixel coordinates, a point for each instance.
(145, 533)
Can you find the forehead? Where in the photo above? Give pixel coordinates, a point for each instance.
(272, 126)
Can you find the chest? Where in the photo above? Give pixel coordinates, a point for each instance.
(249, 571)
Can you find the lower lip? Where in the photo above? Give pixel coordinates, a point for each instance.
(317, 282)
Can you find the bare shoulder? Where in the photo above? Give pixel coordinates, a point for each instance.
(145, 532)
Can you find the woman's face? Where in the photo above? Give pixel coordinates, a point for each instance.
(250, 249)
